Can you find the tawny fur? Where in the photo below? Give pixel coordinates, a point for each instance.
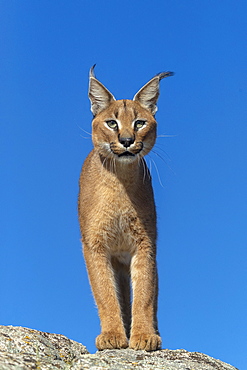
(118, 218)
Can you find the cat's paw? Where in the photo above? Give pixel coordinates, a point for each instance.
(111, 340)
(147, 342)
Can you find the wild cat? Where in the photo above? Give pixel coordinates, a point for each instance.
(118, 218)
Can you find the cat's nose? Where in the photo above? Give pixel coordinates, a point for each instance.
(126, 141)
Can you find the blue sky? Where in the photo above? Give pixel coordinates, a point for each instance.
(200, 184)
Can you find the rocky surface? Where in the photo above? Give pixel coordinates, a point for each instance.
(22, 348)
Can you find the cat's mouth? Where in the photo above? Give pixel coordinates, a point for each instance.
(126, 154)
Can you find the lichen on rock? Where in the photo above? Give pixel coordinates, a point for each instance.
(24, 349)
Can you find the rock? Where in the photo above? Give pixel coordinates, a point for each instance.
(22, 348)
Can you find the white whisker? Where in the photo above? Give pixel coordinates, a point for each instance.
(104, 163)
(86, 132)
(166, 136)
(160, 148)
(84, 137)
(158, 155)
(144, 169)
(112, 164)
(157, 172)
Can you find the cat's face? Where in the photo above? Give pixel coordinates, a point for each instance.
(125, 131)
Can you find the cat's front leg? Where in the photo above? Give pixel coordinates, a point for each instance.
(104, 290)
(144, 331)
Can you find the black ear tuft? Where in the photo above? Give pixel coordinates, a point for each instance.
(91, 72)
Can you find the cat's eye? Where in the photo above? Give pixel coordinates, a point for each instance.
(112, 124)
(139, 124)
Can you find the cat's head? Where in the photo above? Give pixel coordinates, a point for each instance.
(124, 129)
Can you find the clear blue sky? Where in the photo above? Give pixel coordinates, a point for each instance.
(47, 48)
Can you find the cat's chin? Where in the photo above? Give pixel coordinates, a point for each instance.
(126, 158)
(126, 154)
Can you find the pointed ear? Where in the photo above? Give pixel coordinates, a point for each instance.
(148, 95)
(98, 94)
